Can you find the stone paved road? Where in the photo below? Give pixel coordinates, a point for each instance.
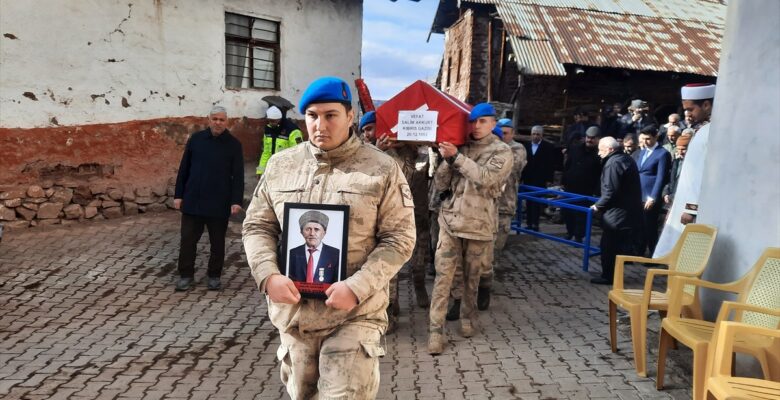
(89, 312)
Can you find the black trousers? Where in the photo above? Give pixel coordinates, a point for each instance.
(191, 231)
(650, 229)
(532, 212)
(614, 242)
(575, 220)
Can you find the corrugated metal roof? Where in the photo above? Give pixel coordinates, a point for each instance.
(536, 57)
(709, 11)
(630, 41)
(544, 37)
(521, 20)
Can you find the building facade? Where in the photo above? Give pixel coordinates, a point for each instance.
(104, 94)
(540, 60)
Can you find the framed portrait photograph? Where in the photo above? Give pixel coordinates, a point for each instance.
(314, 246)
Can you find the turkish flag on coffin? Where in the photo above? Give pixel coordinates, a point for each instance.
(452, 121)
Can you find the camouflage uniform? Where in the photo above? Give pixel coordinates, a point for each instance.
(467, 222)
(324, 351)
(415, 169)
(507, 205)
(434, 202)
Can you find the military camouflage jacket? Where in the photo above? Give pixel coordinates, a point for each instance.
(381, 226)
(415, 168)
(471, 186)
(507, 203)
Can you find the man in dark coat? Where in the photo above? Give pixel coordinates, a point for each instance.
(314, 261)
(209, 188)
(640, 118)
(581, 173)
(653, 162)
(538, 172)
(620, 204)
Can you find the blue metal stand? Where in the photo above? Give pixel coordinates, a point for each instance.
(560, 199)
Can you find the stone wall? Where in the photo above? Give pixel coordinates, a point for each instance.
(68, 201)
(79, 173)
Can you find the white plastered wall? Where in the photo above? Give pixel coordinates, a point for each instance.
(166, 58)
(741, 186)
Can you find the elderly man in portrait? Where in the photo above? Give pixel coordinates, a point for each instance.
(314, 261)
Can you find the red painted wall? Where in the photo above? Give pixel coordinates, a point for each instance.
(138, 153)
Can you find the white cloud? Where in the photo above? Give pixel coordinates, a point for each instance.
(395, 51)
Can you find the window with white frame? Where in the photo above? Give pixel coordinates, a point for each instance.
(251, 52)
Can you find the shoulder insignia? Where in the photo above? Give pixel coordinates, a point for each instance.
(497, 162)
(406, 194)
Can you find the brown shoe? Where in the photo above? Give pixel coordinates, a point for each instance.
(466, 329)
(435, 343)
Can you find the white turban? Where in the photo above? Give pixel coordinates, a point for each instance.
(698, 91)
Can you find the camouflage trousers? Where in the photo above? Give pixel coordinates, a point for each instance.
(467, 258)
(341, 365)
(486, 275)
(421, 256)
(504, 226)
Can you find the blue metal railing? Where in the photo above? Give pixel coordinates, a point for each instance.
(560, 199)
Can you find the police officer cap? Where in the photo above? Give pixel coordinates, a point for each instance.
(368, 118)
(314, 216)
(482, 110)
(505, 123)
(327, 89)
(498, 132)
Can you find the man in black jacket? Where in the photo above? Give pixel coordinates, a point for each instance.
(209, 188)
(620, 203)
(581, 173)
(538, 172)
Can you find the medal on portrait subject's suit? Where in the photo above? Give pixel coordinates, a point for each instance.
(322, 274)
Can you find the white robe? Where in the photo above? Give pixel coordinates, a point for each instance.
(688, 188)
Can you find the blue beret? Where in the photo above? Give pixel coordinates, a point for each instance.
(498, 132)
(368, 118)
(326, 90)
(505, 123)
(482, 110)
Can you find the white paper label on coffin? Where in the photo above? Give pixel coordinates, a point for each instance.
(418, 126)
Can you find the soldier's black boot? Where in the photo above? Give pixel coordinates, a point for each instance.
(422, 295)
(453, 314)
(483, 298)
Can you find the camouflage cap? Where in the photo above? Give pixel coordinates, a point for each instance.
(314, 216)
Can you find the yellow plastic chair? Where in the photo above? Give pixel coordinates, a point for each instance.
(721, 384)
(760, 287)
(688, 258)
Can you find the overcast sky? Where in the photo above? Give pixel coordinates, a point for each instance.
(395, 53)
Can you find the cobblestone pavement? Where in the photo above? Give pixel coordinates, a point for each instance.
(89, 312)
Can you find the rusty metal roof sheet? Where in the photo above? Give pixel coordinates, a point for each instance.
(707, 11)
(630, 41)
(545, 36)
(536, 57)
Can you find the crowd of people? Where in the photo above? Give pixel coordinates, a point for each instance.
(418, 205)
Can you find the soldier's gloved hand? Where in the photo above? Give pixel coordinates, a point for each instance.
(341, 297)
(281, 289)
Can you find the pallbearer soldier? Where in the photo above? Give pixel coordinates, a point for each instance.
(330, 348)
(470, 180)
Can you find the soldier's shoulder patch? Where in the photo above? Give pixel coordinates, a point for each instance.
(497, 162)
(406, 194)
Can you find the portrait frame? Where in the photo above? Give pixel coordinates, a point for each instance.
(312, 280)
